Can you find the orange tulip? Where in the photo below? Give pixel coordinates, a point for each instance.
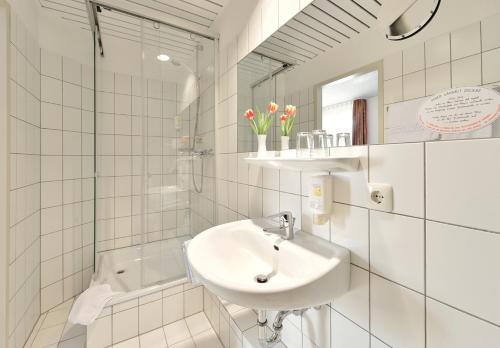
(272, 107)
(290, 110)
(283, 118)
(249, 114)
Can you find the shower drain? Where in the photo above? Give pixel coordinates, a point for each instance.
(120, 271)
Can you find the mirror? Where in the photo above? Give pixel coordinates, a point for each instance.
(351, 107)
(334, 62)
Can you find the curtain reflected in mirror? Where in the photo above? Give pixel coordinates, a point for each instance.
(350, 109)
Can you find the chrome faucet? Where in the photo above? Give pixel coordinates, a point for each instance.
(285, 230)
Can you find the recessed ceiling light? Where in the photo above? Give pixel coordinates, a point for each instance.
(163, 57)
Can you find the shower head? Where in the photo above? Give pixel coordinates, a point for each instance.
(175, 62)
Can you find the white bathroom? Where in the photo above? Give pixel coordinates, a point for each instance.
(249, 174)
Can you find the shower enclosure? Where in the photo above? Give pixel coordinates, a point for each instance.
(154, 141)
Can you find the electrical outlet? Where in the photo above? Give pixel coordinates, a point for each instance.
(380, 196)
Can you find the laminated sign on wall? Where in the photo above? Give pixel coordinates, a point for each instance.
(460, 110)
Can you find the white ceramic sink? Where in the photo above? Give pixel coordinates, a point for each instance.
(304, 272)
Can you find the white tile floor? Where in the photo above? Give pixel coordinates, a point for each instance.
(53, 331)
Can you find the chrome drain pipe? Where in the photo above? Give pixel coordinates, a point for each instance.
(275, 336)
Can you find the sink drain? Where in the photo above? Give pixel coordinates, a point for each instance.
(261, 278)
(120, 271)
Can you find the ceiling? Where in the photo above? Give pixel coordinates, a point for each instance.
(196, 15)
(320, 26)
(360, 86)
(258, 66)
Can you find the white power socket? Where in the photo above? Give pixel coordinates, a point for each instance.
(380, 196)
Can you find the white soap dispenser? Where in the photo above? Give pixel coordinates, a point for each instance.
(320, 198)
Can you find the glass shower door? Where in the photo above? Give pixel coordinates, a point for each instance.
(154, 130)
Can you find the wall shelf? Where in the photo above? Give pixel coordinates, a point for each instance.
(344, 161)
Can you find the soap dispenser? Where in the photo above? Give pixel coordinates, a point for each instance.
(320, 198)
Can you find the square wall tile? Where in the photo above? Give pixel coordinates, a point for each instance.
(51, 90)
(351, 187)
(466, 41)
(150, 316)
(347, 334)
(393, 66)
(449, 328)
(490, 27)
(125, 324)
(437, 79)
(414, 85)
(472, 278)
(476, 180)
(289, 181)
(287, 9)
(437, 50)
(255, 27)
(491, 67)
(397, 248)
(270, 18)
(72, 71)
(51, 64)
(316, 326)
(254, 202)
(51, 296)
(270, 202)
(413, 59)
(99, 333)
(376, 343)
(397, 314)
(466, 72)
(393, 90)
(402, 167)
(193, 301)
(349, 228)
(173, 308)
(355, 304)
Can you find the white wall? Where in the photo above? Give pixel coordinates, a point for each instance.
(4, 173)
(24, 180)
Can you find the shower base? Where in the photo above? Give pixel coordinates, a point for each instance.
(153, 291)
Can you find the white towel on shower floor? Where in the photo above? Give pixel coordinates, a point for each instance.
(189, 271)
(90, 304)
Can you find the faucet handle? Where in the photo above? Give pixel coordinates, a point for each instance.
(285, 218)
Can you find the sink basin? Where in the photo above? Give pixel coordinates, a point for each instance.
(304, 272)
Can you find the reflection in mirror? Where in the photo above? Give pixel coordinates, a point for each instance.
(350, 109)
(259, 82)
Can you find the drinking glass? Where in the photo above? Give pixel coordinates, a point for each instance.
(320, 147)
(329, 140)
(343, 139)
(305, 143)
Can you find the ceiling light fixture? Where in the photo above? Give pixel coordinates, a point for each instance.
(163, 57)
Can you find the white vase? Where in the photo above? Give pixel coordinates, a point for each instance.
(285, 142)
(261, 149)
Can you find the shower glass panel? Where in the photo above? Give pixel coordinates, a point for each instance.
(154, 133)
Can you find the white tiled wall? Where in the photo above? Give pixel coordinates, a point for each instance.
(466, 57)
(67, 188)
(125, 320)
(24, 233)
(172, 207)
(411, 282)
(119, 155)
